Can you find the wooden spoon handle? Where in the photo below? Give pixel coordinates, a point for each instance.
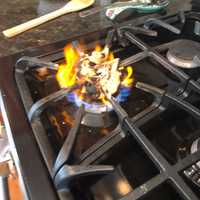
(35, 22)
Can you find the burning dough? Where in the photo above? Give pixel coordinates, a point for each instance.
(100, 72)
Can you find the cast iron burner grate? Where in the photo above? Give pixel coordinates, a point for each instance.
(84, 176)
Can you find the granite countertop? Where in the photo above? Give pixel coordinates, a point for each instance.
(14, 12)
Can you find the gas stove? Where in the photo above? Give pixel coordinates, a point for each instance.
(143, 143)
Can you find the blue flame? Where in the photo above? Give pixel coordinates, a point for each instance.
(123, 95)
(99, 107)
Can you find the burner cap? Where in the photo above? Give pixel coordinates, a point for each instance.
(184, 53)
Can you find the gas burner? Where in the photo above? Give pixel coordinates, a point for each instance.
(185, 54)
(96, 73)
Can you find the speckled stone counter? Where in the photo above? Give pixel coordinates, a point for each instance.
(14, 12)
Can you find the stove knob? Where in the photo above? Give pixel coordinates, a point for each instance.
(193, 172)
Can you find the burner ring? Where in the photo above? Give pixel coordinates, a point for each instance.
(183, 54)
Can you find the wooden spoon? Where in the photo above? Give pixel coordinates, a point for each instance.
(71, 6)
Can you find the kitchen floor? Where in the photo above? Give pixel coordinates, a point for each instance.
(14, 189)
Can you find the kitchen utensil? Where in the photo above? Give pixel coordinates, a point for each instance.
(140, 6)
(71, 6)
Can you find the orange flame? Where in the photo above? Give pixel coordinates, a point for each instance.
(67, 72)
(98, 48)
(68, 75)
(128, 80)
